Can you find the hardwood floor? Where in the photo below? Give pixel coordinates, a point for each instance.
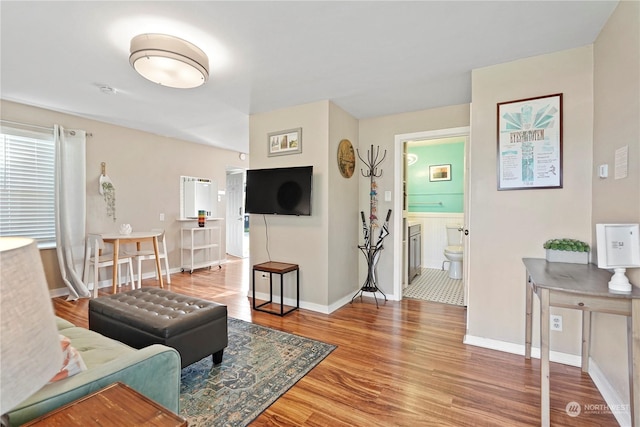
(403, 364)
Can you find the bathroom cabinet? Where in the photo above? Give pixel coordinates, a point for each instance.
(415, 253)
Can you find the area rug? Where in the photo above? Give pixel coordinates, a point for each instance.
(259, 365)
(435, 285)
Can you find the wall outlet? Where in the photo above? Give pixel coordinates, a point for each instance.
(161, 217)
(265, 276)
(556, 322)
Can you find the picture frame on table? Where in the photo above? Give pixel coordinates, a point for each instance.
(440, 173)
(284, 142)
(530, 143)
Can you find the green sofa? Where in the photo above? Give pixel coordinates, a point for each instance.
(153, 371)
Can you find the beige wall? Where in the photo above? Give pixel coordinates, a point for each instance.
(616, 124)
(381, 132)
(344, 220)
(509, 225)
(145, 170)
(299, 240)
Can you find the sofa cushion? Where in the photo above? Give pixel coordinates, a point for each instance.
(96, 349)
(72, 362)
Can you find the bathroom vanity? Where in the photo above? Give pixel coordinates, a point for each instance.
(415, 252)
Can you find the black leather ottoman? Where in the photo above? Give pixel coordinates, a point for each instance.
(141, 317)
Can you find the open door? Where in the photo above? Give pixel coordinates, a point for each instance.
(235, 214)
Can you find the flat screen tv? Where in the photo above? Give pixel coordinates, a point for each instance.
(279, 191)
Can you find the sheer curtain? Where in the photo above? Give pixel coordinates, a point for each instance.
(70, 177)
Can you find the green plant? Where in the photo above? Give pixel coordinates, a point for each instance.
(571, 245)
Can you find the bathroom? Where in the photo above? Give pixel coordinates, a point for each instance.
(434, 174)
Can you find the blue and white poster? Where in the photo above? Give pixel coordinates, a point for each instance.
(530, 143)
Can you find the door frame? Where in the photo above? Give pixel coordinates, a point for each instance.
(398, 220)
(228, 216)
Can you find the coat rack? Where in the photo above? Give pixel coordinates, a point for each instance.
(371, 249)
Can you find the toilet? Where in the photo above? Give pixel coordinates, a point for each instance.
(453, 251)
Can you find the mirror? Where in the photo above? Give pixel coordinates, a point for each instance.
(198, 194)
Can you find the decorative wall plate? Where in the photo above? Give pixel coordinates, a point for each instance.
(346, 158)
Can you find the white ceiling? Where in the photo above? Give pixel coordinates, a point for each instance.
(369, 58)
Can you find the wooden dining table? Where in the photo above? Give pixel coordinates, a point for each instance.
(137, 237)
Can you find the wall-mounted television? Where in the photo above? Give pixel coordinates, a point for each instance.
(279, 191)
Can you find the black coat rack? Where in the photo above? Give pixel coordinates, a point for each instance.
(372, 248)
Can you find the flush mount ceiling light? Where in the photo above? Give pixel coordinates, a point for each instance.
(169, 61)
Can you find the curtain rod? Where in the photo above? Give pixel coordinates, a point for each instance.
(50, 129)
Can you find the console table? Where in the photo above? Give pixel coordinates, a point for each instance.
(197, 246)
(280, 268)
(581, 287)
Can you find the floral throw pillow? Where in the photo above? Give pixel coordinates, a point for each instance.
(72, 362)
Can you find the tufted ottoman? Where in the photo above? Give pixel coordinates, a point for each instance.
(141, 317)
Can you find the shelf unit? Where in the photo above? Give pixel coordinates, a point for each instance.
(200, 247)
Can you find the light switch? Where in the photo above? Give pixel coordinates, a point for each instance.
(387, 196)
(161, 217)
(603, 171)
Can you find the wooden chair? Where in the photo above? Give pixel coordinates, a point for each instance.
(94, 257)
(148, 255)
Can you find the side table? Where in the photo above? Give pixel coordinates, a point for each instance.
(280, 268)
(115, 405)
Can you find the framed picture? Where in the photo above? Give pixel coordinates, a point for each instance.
(530, 143)
(440, 173)
(285, 142)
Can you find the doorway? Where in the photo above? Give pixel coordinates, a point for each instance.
(401, 222)
(434, 177)
(237, 226)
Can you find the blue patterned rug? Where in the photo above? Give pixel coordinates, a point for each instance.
(259, 365)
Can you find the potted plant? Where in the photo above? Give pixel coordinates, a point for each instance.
(567, 250)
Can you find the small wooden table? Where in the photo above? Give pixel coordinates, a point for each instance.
(581, 287)
(115, 405)
(276, 268)
(136, 237)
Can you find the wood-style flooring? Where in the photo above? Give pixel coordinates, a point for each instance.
(403, 364)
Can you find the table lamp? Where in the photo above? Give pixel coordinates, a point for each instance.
(30, 352)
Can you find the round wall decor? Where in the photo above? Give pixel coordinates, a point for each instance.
(346, 158)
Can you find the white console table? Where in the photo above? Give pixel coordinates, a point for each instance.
(581, 287)
(201, 246)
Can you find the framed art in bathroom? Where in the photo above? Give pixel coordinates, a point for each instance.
(440, 173)
(530, 143)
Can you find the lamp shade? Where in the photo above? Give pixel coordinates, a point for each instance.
(30, 352)
(169, 61)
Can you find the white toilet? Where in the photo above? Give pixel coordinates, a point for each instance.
(453, 251)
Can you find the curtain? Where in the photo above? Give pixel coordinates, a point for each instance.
(70, 185)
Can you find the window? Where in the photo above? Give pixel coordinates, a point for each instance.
(27, 184)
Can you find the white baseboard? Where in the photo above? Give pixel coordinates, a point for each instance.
(507, 347)
(615, 404)
(319, 308)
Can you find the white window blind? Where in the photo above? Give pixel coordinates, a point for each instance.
(27, 184)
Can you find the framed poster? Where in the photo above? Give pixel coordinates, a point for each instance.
(285, 142)
(530, 143)
(440, 173)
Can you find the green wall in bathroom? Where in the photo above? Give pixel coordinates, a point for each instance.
(424, 195)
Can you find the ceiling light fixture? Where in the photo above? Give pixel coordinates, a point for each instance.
(169, 61)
